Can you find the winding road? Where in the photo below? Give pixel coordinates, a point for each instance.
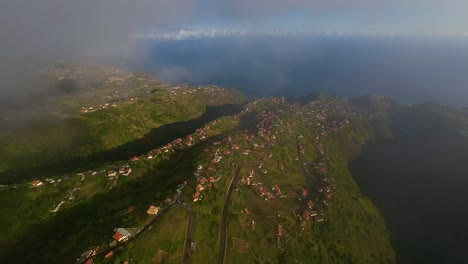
(188, 233)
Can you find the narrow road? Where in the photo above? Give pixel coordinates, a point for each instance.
(188, 234)
(223, 228)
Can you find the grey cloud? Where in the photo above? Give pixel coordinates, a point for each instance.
(267, 7)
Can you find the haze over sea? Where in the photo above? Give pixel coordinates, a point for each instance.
(410, 69)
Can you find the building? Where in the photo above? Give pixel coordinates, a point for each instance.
(152, 210)
(246, 211)
(127, 171)
(279, 231)
(36, 183)
(121, 234)
(278, 190)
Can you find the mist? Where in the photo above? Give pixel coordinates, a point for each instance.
(35, 34)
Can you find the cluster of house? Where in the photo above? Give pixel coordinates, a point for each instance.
(179, 143)
(190, 140)
(331, 115)
(89, 109)
(86, 256)
(315, 202)
(307, 211)
(204, 182)
(176, 92)
(124, 170)
(37, 183)
(226, 147)
(265, 194)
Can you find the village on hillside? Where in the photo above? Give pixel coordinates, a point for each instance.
(272, 127)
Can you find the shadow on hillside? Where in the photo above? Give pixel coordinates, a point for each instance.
(61, 238)
(155, 138)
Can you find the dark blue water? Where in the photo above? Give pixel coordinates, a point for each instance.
(418, 180)
(409, 69)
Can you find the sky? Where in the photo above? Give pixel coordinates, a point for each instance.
(87, 26)
(36, 32)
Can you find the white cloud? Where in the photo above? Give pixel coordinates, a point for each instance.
(183, 34)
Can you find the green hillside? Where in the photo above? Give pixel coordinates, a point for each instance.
(47, 145)
(261, 182)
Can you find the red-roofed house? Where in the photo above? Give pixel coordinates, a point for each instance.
(278, 190)
(279, 231)
(196, 196)
(121, 234)
(246, 211)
